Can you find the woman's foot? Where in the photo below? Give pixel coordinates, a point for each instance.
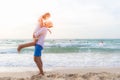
(19, 48)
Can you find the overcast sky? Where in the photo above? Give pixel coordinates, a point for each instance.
(72, 18)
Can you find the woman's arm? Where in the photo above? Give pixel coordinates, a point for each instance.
(41, 21)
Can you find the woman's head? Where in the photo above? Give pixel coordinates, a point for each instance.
(46, 15)
(48, 24)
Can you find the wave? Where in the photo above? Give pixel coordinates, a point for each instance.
(64, 50)
(65, 46)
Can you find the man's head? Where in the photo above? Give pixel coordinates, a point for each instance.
(48, 24)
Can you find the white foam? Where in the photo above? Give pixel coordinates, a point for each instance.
(61, 60)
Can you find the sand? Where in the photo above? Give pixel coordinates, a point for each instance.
(61, 74)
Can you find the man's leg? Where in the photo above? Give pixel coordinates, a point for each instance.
(39, 64)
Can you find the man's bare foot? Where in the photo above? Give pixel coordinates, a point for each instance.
(37, 76)
(19, 48)
(40, 74)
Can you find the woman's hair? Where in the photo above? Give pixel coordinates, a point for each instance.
(49, 24)
(46, 14)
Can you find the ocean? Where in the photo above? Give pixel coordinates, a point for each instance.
(63, 53)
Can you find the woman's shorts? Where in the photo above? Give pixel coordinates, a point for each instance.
(38, 50)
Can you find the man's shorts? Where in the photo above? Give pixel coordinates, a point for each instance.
(38, 50)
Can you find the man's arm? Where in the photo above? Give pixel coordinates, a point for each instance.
(38, 33)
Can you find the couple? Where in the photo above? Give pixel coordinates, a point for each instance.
(38, 40)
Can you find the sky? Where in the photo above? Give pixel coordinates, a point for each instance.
(72, 19)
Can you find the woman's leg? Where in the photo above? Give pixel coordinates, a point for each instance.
(25, 45)
(39, 64)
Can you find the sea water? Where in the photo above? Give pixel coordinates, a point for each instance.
(63, 53)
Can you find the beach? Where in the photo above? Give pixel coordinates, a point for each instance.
(92, 73)
(77, 59)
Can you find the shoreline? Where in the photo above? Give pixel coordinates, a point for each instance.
(23, 69)
(60, 73)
